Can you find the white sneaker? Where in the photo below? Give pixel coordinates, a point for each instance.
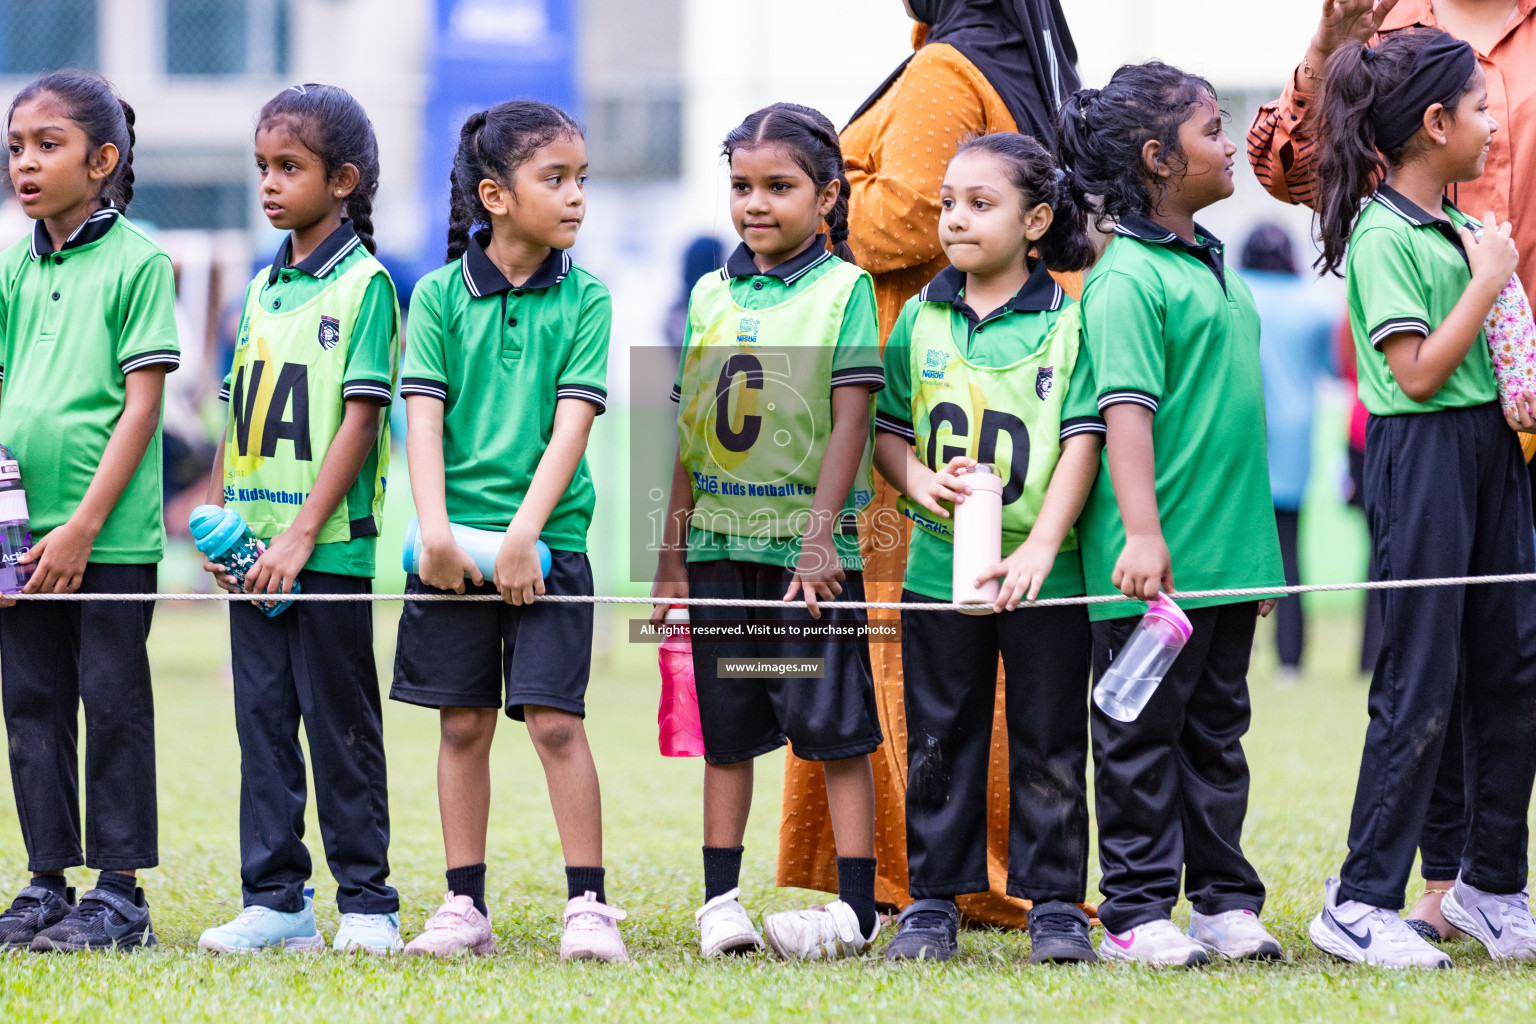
(829, 932)
(456, 928)
(368, 933)
(1234, 934)
(1501, 923)
(592, 931)
(1363, 934)
(1154, 943)
(726, 927)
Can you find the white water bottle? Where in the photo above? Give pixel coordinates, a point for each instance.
(1126, 688)
(978, 539)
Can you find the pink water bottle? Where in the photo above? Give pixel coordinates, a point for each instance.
(1126, 688)
(681, 735)
(978, 539)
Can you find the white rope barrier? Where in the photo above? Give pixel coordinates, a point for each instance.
(722, 602)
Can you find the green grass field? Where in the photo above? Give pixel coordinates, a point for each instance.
(1303, 749)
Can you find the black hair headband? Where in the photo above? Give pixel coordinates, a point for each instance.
(1440, 70)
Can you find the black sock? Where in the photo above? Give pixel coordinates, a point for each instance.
(856, 887)
(53, 883)
(722, 870)
(580, 881)
(117, 883)
(469, 881)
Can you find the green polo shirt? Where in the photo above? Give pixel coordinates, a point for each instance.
(73, 324)
(370, 372)
(499, 357)
(1003, 337)
(1406, 270)
(855, 362)
(1171, 329)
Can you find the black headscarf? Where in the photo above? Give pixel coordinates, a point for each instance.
(1023, 47)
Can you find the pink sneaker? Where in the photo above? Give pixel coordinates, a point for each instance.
(592, 931)
(457, 927)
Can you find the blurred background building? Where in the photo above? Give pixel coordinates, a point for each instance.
(657, 82)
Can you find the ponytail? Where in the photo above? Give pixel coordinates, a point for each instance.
(125, 161)
(1362, 86)
(811, 139)
(493, 144)
(1065, 246)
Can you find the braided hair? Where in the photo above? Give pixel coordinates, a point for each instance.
(810, 138)
(89, 100)
(493, 144)
(1100, 134)
(1065, 245)
(333, 126)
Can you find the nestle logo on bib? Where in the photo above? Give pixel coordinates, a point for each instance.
(330, 332)
(746, 329)
(934, 365)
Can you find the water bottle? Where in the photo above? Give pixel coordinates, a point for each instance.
(224, 537)
(1132, 678)
(978, 539)
(480, 545)
(15, 538)
(681, 735)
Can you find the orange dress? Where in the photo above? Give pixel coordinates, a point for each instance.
(896, 154)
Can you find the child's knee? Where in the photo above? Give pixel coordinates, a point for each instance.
(467, 729)
(554, 733)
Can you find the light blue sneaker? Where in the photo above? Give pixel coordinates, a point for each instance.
(260, 928)
(378, 934)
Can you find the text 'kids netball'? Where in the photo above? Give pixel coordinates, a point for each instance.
(505, 370)
(774, 388)
(314, 368)
(1183, 491)
(87, 335)
(986, 363)
(1446, 494)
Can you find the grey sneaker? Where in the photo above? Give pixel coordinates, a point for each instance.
(929, 930)
(1058, 934)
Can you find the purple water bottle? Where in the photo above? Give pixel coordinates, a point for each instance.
(15, 537)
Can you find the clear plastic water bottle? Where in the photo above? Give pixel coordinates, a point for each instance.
(978, 539)
(681, 734)
(15, 537)
(224, 537)
(481, 545)
(1133, 676)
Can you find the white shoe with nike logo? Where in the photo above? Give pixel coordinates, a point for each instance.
(1363, 934)
(1502, 923)
(1155, 944)
(1234, 935)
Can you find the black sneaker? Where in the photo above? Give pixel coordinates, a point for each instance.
(34, 909)
(1058, 934)
(929, 930)
(103, 920)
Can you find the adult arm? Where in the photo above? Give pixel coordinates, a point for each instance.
(1281, 148)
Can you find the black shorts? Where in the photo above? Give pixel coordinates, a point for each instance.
(824, 719)
(457, 655)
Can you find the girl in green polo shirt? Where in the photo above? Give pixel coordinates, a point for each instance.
(87, 334)
(1447, 493)
(774, 393)
(1184, 491)
(504, 373)
(314, 368)
(986, 363)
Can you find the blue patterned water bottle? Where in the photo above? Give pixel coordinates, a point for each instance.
(223, 537)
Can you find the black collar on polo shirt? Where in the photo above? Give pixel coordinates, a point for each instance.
(1040, 293)
(326, 257)
(482, 277)
(1209, 252)
(1419, 217)
(90, 230)
(791, 270)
